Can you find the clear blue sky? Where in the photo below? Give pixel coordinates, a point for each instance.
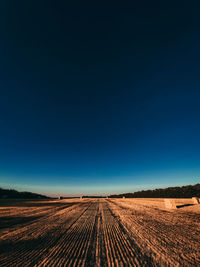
(98, 99)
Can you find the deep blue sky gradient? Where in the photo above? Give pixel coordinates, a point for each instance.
(99, 99)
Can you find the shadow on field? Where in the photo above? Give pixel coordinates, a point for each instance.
(185, 205)
(6, 222)
(12, 221)
(30, 244)
(35, 204)
(34, 245)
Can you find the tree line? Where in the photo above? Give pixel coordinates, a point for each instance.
(11, 193)
(186, 191)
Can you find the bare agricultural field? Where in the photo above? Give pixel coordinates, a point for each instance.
(99, 232)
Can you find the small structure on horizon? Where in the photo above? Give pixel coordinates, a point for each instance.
(195, 200)
(123, 197)
(60, 197)
(170, 204)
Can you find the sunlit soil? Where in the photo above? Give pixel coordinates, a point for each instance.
(99, 232)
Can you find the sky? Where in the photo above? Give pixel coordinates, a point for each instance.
(99, 99)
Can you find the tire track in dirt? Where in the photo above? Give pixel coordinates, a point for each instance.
(102, 233)
(165, 236)
(72, 248)
(120, 249)
(33, 249)
(87, 235)
(26, 219)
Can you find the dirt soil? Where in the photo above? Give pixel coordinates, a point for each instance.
(99, 232)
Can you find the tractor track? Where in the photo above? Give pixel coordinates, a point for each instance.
(99, 233)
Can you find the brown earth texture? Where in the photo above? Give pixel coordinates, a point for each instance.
(99, 232)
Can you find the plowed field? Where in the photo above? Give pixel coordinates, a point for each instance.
(99, 232)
